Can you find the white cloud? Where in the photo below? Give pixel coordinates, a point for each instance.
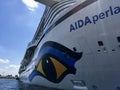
(31, 4)
(10, 69)
(7, 68)
(14, 66)
(5, 61)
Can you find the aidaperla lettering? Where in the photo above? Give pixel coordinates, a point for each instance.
(111, 11)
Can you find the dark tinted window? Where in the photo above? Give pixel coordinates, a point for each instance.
(100, 43)
(118, 38)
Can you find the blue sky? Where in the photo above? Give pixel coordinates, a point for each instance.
(18, 22)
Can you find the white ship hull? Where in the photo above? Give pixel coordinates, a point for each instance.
(81, 49)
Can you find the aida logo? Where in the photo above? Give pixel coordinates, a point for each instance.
(55, 62)
(111, 11)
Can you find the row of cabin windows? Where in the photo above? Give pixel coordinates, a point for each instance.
(50, 14)
(100, 43)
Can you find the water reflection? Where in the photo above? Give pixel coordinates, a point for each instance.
(12, 84)
(24, 86)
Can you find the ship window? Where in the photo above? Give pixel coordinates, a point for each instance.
(94, 87)
(98, 50)
(118, 38)
(100, 43)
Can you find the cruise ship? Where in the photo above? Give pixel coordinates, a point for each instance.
(76, 46)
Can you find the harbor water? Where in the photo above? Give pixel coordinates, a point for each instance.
(13, 84)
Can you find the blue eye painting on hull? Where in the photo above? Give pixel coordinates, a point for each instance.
(55, 62)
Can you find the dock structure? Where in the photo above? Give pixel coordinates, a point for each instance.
(8, 76)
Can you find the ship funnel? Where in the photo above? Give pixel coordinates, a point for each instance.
(48, 2)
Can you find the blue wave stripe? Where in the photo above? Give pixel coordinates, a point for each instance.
(57, 53)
